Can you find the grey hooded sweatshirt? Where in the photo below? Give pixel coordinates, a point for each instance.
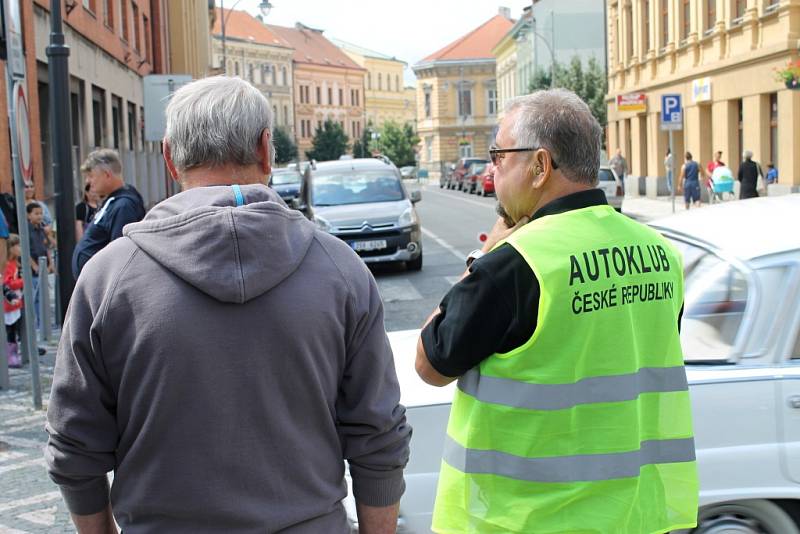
(223, 361)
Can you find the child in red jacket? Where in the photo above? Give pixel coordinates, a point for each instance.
(12, 301)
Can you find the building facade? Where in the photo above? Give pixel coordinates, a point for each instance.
(328, 85)
(721, 57)
(258, 55)
(514, 56)
(457, 102)
(385, 98)
(190, 23)
(563, 30)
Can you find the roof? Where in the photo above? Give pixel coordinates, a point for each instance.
(352, 164)
(361, 51)
(746, 229)
(477, 44)
(311, 47)
(242, 25)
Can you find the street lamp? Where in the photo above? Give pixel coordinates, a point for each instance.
(265, 7)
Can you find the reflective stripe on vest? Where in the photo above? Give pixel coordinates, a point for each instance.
(586, 427)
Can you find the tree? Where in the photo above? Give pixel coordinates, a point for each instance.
(285, 149)
(361, 146)
(398, 142)
(329, 143)
(590, 83)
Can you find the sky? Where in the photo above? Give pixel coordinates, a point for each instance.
(407, 29)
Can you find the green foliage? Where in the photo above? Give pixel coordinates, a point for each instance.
(285, 149)
(398, 142)
(361, 146)
(329, 143)
(589, 83)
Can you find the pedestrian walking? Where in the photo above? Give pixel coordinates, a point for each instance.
(620, 166)
(12, 301)
(85, 210)
(668, 165)
(572, 409)
(689, 181)
(225, 356)
(749, 171)
(122, 205)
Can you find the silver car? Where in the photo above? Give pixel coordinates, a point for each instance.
(364, 203)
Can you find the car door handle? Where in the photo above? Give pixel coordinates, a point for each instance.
(794, 401)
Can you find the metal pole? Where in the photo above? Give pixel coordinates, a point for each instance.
(672, 170)
(45, 321)
(61, 150)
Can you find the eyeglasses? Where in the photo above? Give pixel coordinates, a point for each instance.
(497, 154)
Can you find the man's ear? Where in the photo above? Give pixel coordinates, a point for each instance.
(173, 172)
(265, 151)
(540, 169)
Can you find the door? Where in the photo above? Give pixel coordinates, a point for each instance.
(789, 405)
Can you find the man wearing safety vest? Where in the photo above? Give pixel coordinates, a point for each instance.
(572, 411)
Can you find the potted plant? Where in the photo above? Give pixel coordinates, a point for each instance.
(790, 74)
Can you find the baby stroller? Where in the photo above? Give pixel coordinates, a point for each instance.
(720, 183)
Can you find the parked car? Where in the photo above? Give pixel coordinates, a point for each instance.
(364, 203)
(444, 177)
(286, 182)
(486, 181)
(611, 185)
(456, 180)
(471, 176)
(741, 339)
(408, 172)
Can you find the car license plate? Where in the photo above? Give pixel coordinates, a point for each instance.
(366, 246)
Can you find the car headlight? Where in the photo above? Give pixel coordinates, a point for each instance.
(408, 217)
(322, 223)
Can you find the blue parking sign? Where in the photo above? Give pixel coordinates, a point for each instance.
(671, 112)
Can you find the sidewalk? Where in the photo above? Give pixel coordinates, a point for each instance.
(29, 501)
(648, 209)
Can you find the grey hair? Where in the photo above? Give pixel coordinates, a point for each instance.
(217, 121)
(748, 154)
(105, 158)
(559, 121)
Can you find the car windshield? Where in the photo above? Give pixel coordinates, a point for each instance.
(355, 187)
(477, 168)
(283, 178)
(605, 175)
(715, 299)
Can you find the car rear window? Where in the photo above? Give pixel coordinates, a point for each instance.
(283, 178)
(355, 187)
(606, 175)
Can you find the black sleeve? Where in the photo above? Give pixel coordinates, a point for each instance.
(124, 212)
(80, 211)
(493, 310)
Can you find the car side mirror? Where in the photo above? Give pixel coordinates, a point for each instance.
(415, 196)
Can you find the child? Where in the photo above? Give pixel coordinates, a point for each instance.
(39, 249)
(12, 302)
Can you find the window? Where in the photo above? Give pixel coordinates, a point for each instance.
(686, 19)
(124, 13)
(284, 79)
(330, 96)
(646, 26)
(380, 82)
(773, 128)
(369, 81)
(89, 4)
(285, 114)
(464, 102)
(739, 7)
(711, 15)
(236, 68)
(319, 95)
(302, 95)
(427, 104)
(664, 24)
(341, 97)
(146, 50)
(716, 298)
(397, 82)
(132, 126)
(319, 125)
(358, 98)
(771, 5)
(628, 32)
(251, 75)
(303, 129)
(491, 99)
(429, 149)
(116, 120)
(98, 115)
(137, 38)
(273, 71)
(464, 149)
(108, 13)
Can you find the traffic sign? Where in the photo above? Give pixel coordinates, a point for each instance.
(671, 112)
(23, 131)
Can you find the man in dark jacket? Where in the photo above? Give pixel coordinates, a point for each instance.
(123, 205)
(225, 356)
(749, 171)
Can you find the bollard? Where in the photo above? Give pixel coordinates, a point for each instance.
(44, 301)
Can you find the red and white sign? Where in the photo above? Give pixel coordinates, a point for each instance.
(632, 102)
(23, 131)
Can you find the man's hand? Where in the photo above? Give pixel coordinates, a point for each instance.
(99, 523)
(500, 231)
(377, 519)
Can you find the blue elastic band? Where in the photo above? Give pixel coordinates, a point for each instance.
(239, 196)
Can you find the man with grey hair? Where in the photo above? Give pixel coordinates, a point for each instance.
(572, 411)
(226, 357)
(102, 171)
(749, 171)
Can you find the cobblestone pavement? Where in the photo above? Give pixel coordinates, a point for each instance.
(29, 501)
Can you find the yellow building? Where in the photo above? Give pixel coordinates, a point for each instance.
(384, 89)
(410, 105)
(514, 61)
(721, 57)
(457, 96)
(189, 25)
(328, 85)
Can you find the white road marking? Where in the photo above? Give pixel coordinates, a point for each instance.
(467, 200)
(11, 455)
(23, 443)
(25, 419)
(447, 246)
(30, 426)
(394, 290)
(28, 501)
(9, 530)
(45, 517)
(21, 465)
(452, 280)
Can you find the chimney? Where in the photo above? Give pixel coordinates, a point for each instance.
(504, 12)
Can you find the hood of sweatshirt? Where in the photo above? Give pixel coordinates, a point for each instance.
(233, 243)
